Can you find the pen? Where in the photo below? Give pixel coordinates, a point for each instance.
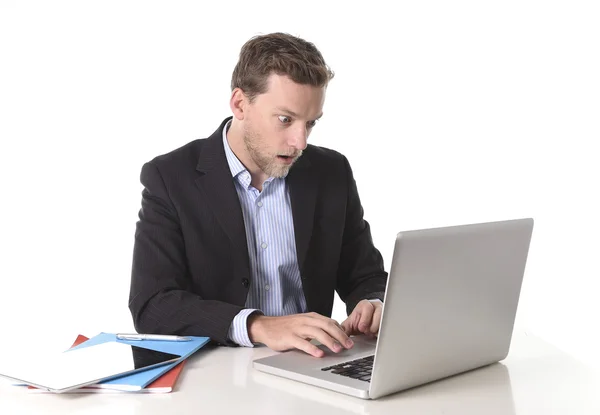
(159, 337)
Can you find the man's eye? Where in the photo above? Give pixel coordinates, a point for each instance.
(284, 119)
(311, 124)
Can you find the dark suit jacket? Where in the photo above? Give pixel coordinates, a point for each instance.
(191, 270)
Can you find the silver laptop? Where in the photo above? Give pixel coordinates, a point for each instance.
(450, 306)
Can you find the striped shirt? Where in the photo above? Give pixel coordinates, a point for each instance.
(276, 288)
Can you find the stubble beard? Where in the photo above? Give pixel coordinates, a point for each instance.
(268, 163)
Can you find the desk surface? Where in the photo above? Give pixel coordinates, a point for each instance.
(536, 378)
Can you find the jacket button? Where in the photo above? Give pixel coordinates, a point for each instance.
(245, 282)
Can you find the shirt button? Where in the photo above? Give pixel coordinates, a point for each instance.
(267, 287)
(259, 204)
(263, 245)
(245, 282)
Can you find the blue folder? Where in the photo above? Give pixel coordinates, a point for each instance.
(139, 380)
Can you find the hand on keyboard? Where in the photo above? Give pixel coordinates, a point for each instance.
(364, 319)
(296, 331)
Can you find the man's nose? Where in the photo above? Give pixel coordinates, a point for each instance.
(299, 138)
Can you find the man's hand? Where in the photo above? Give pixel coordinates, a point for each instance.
(296, 331)
(364, 319)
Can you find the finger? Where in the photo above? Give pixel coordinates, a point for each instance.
(376, 322)
(335, 322)
(323, 337)
(366, 317)
(347, 326)
(326, 320)
(338, 324)
(322, 318)
(352, 321)
(307, 347)
(334, 331)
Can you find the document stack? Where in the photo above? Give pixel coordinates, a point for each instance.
(148, 373)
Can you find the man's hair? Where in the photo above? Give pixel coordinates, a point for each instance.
(282, 54)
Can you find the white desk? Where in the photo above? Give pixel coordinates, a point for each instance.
(536, 378)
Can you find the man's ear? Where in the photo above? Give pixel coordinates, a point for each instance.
(238, 103)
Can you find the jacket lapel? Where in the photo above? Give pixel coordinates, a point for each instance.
(217, 186)
(302, 182)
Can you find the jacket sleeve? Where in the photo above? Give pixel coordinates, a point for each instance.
(361, 275)
(160, 298)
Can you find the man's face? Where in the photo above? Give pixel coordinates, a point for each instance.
(277, 124)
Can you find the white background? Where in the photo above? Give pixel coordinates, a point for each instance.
(449, 112)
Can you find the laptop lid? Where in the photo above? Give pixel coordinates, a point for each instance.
(451, 301)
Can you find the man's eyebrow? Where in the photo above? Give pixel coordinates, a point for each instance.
(287, 111)
(292, 113)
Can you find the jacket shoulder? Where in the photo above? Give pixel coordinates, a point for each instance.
(185, 155)
(325, 158)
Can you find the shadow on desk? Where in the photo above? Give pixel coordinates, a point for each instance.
(486, 390)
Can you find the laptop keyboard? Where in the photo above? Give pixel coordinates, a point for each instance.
(356, 369)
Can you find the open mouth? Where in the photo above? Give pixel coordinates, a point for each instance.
(286, 159)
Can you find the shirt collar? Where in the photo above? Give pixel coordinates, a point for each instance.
(235, 165)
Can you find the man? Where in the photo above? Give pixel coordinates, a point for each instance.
(244, 236)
